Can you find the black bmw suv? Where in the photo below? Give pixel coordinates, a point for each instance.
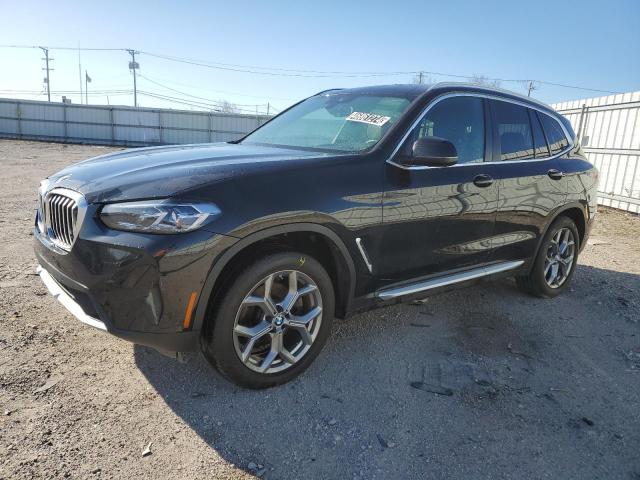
(349, 200)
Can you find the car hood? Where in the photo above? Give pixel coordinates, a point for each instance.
(157, 172)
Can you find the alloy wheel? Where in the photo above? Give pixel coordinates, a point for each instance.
(559, 258)
(278, 321)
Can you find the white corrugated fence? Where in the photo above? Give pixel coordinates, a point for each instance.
(609, 131)
(119, 125)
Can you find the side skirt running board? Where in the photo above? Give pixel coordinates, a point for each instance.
(445, 280)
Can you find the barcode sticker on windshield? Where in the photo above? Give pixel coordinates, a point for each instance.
(370, 118)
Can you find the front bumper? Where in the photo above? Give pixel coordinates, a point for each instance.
(134, 286)
(67, 300)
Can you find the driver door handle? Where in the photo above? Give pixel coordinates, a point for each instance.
(555, 174)
(483, 180)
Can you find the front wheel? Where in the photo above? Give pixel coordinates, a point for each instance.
(556, 261)
(272, 322)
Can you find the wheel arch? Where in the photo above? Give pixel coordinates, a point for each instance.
(576, 212)
(344, 281)
(579, 218)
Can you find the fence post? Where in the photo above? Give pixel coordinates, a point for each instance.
(580, 122)
(19, 116)
(64, 120)
(113, 127)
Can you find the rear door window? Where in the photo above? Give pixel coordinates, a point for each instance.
(515, 139)
(555, 135)
(539, 142)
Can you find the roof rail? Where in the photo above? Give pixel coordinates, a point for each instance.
(490, 89)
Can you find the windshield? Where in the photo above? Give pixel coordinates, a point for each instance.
(349, 122)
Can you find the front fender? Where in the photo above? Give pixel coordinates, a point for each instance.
(259, 234)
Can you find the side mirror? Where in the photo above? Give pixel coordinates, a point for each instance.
(432, 152)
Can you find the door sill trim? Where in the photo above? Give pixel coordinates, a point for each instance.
(445, 280)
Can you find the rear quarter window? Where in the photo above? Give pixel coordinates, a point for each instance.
(555, 135)
(539, 142)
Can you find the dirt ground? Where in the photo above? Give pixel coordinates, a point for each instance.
(479, 383)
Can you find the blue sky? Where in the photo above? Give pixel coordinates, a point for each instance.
(587, 43)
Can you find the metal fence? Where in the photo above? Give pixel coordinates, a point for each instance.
(118, 125)
(609, 131)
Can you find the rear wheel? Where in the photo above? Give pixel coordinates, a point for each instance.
(556, 261)
(272, 321)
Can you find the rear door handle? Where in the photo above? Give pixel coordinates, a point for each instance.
(555, 174)
(483, 180)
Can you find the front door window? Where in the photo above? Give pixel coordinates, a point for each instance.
(459, 120)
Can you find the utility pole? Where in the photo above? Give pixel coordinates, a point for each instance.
(531, 88)
(46, 59)
(268, 108)
(133, 65)
(420, 78)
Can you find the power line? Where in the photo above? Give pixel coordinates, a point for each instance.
(270, 70)
(574, 87)
(226, 92)
(301, 73)
(275, 71)
(69, 48)
(197, 97)
(167, 98)
(66, 92)
(233, 67)
(192, 103)
(32, 93)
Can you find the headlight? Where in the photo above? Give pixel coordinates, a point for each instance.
(156, 216)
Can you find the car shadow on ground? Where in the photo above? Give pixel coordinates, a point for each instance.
(477, 382)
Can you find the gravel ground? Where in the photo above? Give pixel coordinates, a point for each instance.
(479, 383)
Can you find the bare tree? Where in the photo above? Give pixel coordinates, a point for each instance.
(423, 78)
(485, 81)
(228, 107)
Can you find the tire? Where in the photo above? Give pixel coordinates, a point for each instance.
(281, 350)
(539, 282)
